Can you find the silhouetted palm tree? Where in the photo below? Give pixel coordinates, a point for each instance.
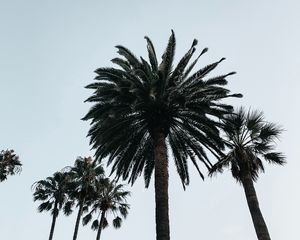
(109, 198)
(9, 164)
(84, 174)
(250, 139)
(141, 107)
(53, 192)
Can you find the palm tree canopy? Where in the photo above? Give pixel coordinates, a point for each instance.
(9, 164)
(84, 174)
(250, 139)
(52, 190)
(110, 197)
(137, 100)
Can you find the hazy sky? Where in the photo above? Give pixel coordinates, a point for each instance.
(48, 52)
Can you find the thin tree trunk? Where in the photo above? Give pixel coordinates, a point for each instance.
(53, 220)
(78, 219)
(257, 217)
(100, 225)
(161, 182)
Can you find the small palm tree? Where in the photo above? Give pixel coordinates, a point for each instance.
(84, 175)
(109, 198)
(250, 139)
(143, 108)
(53, 192)
(9, 164)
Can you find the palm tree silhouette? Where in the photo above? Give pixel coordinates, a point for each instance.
(140, 109)
(250, 139)
(84, 174)
(53, 192)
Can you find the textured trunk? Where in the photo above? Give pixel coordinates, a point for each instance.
(257, 217)
(78, 219)
(53, 221)
(100, 226)
(161, 182)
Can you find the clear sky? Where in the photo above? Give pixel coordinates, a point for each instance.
(48, 52)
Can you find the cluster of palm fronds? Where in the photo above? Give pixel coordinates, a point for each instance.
(9, 164)
(85, 186)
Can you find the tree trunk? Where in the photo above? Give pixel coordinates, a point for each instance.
(100, 225)
(161, 182)
(53, 220)
(257, 217)
(78, 219)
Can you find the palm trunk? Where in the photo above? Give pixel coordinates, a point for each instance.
(100, 225)
(257, 217)
(161, 182)
(78, 219)
(55, 213)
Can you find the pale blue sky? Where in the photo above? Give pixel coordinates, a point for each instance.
(48, 52)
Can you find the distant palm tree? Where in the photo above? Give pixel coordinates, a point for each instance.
(84, 174)
(109, 198)
(142, 108)
(250, 139)
(9, 164)
(53, 192)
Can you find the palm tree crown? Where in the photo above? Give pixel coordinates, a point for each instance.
(249, 139)
(9, 164)
(84, 174)
(139, 101)
(52, 189)
(109, 198)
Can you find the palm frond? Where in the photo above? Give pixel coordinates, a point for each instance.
(275, 157)
(152, 54)
(132, 60)
(167, 58)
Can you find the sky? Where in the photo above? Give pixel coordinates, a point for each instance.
(48, 53)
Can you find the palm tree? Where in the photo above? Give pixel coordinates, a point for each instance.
(9, 164)
(250, 139)
(53, 192)
(143, 108)
(109, 198)
(84, 175)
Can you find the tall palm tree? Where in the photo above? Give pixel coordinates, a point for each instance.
(143, 108)
(53, 192)
(109, 198)
(9, 164)
(250, 139)
(84, 174)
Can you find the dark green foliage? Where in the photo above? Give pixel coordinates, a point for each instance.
(109, 198)
(250, 139)
(138, 99)
(53, 189)
(84, 174)
(9, 164)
